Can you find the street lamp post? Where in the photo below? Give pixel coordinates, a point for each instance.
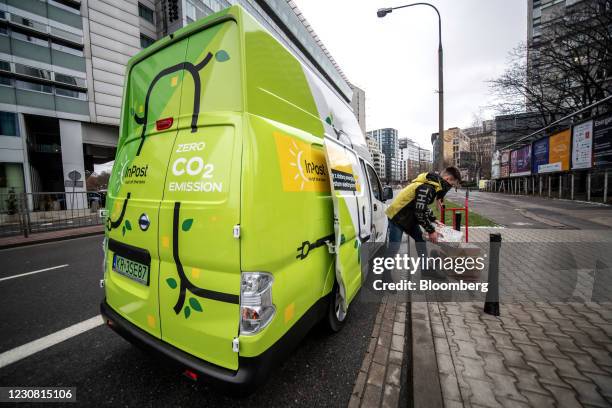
(382, 13)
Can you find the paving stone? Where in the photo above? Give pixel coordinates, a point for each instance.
(466, 348)
(469, 367)
(547, 374)
(375, 330)
(450, 387)
(396, 357)
(376, 375)
(564, 397)
(588, 394)
(460, 333)
(397, 343)
(400, 316)
(359, 386)
(513, 358)
(399, 328)
(503, 339)
(384, 339)
(505, 386)
(381, 354)
(494, 363)
(584, 363)
(527, 380)
(441, 345)
(600, 355)
(386, 326)
(604, 383)
(549, 349)
(485, 344)
(371, 396)
(394, 373)
(391, 397)
(354, 402)
(438, 330)
(567, 368)
(519, 336)
(372, 345)
(482, 393)
(532, 354)
(365, 364)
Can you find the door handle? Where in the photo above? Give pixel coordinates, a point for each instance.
(363, 213)
(375, 207)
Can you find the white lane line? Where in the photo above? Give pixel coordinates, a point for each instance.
(33, 272)
(33, 347)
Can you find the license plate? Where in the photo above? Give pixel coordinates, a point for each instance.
(131, 269)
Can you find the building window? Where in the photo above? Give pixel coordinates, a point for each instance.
(70, 80)
(67, 49)
(146, 13)
(33, 72)
(32, 86)
(11, 183)
(6, 81)
(76, 38)
(145, 41)
(29, 23)
(28, 38)
(69, 93)
(190, 11)
(8, 124)
(3, 31)
(5, 66)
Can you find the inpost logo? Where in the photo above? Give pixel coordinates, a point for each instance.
(134, 174)
(302, 166)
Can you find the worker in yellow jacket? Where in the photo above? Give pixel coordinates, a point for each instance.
(410, 208)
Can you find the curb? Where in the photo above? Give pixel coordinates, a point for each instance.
(426, 387)
(35, 241)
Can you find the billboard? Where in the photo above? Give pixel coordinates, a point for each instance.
(520, 161)
(505, 164)
(539, 154)
(558, 152)
(582, 145)
(496, 165)
(602, 141)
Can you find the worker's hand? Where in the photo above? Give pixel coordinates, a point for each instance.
(433, 237)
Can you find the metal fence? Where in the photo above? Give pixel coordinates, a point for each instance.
(26, 213)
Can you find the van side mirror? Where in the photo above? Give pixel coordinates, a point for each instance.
(387, 193)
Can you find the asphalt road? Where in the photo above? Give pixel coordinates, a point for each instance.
(108, 370)
(534, 212)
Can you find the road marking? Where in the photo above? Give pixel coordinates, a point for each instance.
(33, 272)
(33, 347)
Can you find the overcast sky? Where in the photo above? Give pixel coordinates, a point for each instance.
(394, 59)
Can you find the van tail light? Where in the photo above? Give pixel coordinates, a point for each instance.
(191, 375)
(164, 124)
(256, 308)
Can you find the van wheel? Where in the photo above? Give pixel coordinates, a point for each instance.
(335, 315)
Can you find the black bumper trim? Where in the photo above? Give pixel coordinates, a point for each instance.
(251, 372)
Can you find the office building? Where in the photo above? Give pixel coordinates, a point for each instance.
(389, 145)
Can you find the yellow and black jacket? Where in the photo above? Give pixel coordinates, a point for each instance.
(412, 203)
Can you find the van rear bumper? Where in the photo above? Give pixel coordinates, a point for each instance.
(250, 368)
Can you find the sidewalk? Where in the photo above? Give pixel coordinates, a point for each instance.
(43, 237)
(535, 354)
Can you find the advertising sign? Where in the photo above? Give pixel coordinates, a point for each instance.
(496, 165)
(558, 152)
(582, 145)
(602, 141)
(505, 164)
(540, 155)
(520, 161)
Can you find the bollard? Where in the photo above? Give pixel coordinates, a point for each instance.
(491, 305)
(457, 221)
(443, 213)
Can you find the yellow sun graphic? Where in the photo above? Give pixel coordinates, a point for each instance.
(297, 153)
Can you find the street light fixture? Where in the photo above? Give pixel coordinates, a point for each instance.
(382, 13)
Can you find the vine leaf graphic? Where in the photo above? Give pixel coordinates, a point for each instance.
(171, 282)
(222, 56)
(187, 224)
(187, 312)
(128, 225)
(123, 230)
(195, 305)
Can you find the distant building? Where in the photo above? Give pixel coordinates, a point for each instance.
(482, 144)
(389, 145)
(378, 159)
(358, 103)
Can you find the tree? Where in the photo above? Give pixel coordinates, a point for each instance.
(567, 67)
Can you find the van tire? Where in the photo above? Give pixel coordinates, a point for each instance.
(335, 319)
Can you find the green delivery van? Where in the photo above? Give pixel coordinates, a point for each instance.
(241, 193)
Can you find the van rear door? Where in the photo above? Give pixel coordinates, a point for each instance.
(137, 187)
(199, 217)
